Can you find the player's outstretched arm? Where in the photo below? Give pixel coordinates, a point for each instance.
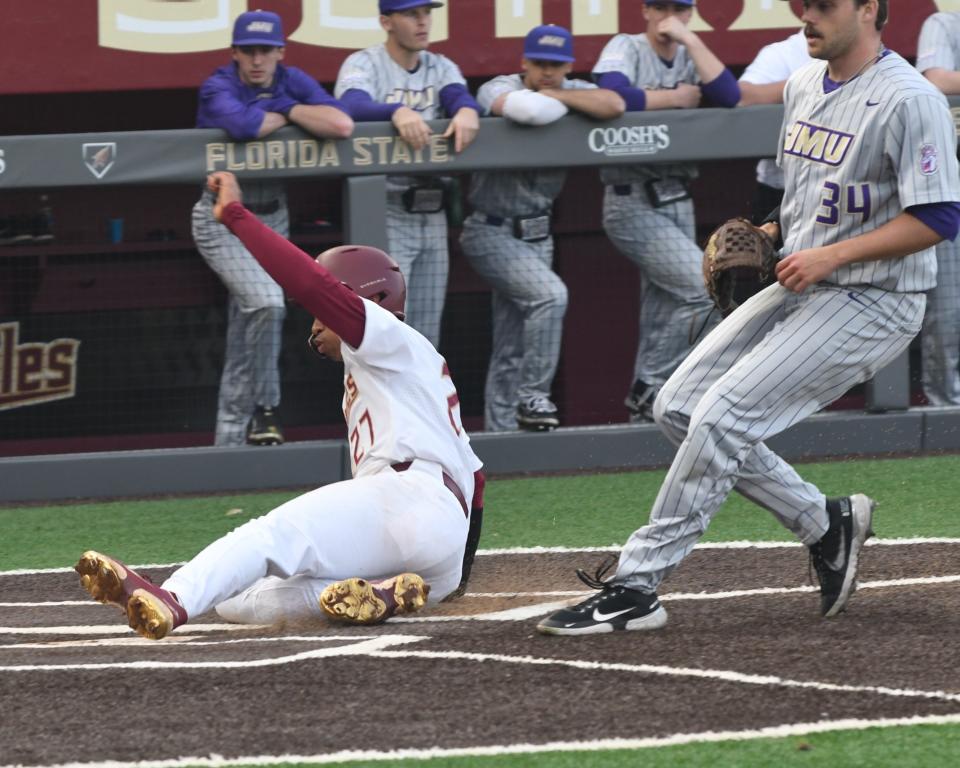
(303, 279)
(322, 120)
(901, 236)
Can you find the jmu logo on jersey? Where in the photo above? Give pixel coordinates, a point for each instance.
(817, 143)
(33, 373)
(420, 101)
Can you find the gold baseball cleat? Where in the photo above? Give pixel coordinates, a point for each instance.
(359, 601)
(151, 611)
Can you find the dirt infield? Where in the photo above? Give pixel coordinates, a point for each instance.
(744, 649)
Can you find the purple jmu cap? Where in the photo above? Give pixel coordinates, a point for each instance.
(258, 28)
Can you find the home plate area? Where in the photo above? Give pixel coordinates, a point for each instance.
(744, 650)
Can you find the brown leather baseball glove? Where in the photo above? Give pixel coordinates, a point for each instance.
(739, 260)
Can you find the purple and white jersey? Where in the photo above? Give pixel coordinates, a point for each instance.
(374, 71)
(516, 193)
(857, 156)
(229, 103)
(633, 56)
(939, 43)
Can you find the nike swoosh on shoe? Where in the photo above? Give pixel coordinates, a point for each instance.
(598, 616)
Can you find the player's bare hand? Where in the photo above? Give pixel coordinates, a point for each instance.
(412, 128)
(227, 189)
(801, 269)
(464, 127)
(686, 96)
(674, 29)
(772, 228)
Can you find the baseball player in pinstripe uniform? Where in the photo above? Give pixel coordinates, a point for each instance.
(364, 549)
(647, 210)
(507, 237)
(868, 151)
(938, 58)
(403, 82)
(249, 99)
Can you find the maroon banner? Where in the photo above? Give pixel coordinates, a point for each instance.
(152, 44)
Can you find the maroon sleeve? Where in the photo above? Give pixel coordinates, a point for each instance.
(312, 286)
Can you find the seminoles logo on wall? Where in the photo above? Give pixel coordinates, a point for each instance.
(38, 372)
(99, 158)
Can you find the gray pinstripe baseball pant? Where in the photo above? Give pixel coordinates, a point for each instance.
(940, 342)
(777, 359)
(255, 312)
(674, 306)
(529, 302)
(418, 243)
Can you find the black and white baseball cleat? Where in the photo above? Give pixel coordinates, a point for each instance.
(613, 608)
(836, 557)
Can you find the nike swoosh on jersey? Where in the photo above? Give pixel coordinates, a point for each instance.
(872, 103)
(598, 616)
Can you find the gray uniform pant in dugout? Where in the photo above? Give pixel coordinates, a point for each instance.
(777, 359)
(418, 243)
(675, 311)
(529, 302)
(255, 311)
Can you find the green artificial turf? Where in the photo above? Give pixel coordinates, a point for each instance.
(916, 495)
(918, 746)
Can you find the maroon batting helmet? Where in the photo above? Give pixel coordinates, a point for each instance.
(369, 273)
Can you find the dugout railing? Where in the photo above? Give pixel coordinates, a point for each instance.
(359, 164)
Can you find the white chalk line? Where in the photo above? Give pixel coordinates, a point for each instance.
(665, 671)
(367, 647)
(874, 542)
(596, 745)
(378, 647)
(510, 614)
(177, 640)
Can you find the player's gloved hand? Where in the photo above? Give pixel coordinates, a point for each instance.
(227, 189)
(412, 128)
(738, 261)
(463, 127)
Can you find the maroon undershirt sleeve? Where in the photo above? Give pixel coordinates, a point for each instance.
(312, 286)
